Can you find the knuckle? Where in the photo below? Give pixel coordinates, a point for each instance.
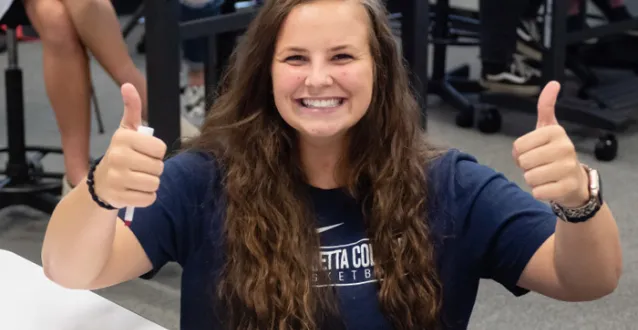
(160, 168)
(149, 199)
(121, 136)
(528, 176)
(116, 157)
(115, 178)
(575, 163)
(523, 162)
(162, 149)
(117, 137)
(519, 144)
(155, 183)
(570, 165)
(568, 147)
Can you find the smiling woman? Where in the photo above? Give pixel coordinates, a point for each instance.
(322, 84)
(312, 199)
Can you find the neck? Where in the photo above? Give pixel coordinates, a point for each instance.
(320, 159)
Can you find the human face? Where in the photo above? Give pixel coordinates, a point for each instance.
(322, 70)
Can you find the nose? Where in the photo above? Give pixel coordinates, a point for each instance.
(319, 76)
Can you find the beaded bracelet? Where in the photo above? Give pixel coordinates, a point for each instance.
(91, 183)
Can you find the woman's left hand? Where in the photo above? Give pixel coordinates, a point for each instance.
(549, 159)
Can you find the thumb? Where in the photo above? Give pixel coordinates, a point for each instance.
(547, 105)
(132, 117)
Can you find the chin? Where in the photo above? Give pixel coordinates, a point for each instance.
(323, 132)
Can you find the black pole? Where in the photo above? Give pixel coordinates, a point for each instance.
(414, 38)
(162, 70)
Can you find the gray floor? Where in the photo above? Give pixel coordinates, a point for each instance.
(21, 229)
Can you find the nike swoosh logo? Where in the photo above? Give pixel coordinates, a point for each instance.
(326, 228)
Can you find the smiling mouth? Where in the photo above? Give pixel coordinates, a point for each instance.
(325, 103)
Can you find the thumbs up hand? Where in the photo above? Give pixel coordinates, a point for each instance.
(129, 172)
(548, 157)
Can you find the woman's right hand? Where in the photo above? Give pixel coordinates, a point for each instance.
(129, 173)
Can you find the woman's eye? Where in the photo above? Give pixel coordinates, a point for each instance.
(294, 58)
(341, 57)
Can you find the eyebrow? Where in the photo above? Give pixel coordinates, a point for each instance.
(302, 50)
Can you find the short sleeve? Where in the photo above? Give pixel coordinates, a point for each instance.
(502, 225)
(167, 230)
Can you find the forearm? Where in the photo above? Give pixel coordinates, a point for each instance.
(78, 239)
(588, 255)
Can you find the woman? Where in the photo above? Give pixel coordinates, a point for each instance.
(312, 157)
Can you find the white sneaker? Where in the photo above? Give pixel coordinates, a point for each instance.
(192, 95)
(193, 101)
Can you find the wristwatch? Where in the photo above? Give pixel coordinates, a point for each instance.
(591, 207)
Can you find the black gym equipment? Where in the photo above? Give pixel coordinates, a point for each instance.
(453, 27)
(603, 104)
(460, 27)
(606, 106)
(25, 182)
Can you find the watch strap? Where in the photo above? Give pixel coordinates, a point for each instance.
(590, 209)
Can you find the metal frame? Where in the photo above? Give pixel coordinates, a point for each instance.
(162, 69)
(556, 37)
(163, 32)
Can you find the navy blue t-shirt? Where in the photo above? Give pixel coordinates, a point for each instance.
(487, 227)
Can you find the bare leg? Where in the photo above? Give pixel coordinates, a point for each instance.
(66, 77)
(97, 25)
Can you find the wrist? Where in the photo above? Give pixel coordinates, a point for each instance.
(583, 195)
(93, 187)
(582, 211)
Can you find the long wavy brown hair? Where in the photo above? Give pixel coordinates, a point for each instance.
(272, 248)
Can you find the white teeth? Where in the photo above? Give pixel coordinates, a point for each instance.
(331, 103)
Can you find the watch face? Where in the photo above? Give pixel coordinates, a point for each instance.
(594, 183)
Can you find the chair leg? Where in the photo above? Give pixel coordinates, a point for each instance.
(24, 180)
(130, 25)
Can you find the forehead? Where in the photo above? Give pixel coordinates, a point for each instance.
(325, 22)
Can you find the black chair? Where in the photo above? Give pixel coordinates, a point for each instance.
(25, 181)
(453, 27)
(604, 106)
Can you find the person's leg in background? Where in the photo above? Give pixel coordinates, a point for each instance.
(67, 82)
(65, 28)
(99, 29)
(528, 32)
(194, 51)
(502, 71)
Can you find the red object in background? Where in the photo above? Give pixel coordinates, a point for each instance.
(19, 33)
